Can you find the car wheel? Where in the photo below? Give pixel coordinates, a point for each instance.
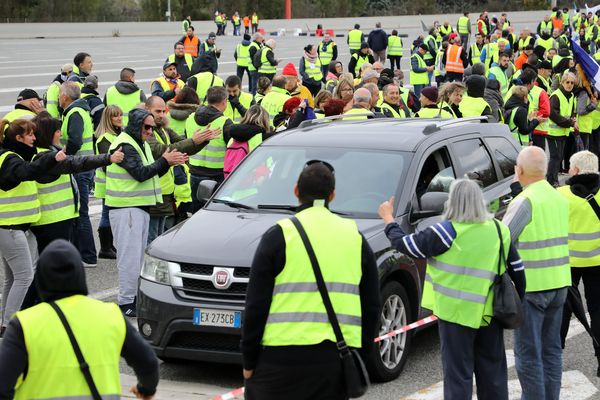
(388, 358)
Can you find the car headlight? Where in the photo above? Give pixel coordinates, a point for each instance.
(156, 270)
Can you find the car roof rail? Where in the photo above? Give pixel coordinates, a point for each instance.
(318, 121)
(429, 129)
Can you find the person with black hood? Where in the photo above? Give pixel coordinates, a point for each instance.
(581, 189)
(208, 163)
(89, 92)
(36, 355)
(125, 93)
(473, 104)
(132, 187)
(78, 139)
(205, 76)
(51, 95)
(516, 114)
(18, 247)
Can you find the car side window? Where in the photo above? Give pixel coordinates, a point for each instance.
(475, 161)
(436, 174)
(504, 153)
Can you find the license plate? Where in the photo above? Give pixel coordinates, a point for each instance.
(222, 318)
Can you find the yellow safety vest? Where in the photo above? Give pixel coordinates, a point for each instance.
(534, 100)
(297, 315)
(126, 102)
(354, 39)
(395, 46)
(251, 66)
(53, 371)
(51, 99)
(167, 181)
(274, 100)
(472, 106)
(360, 60)
(189, 61)
(213, 154)
(166, 85)
(419, 78)
(566, 109)
(353, 111)
(19, 114)
(475, 53)
(314, 70)
(232, 113)
(243, 55)
(463, 25)
(265, 65)
(100, 177)
(326, 54)
(87, 137)
(204, 81)
(19, 205)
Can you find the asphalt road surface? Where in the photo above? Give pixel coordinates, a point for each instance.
(33, 63)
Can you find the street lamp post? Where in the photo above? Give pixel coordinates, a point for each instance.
(288, 9)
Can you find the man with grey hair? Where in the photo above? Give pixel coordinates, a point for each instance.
(583, 194)
(361, 107)
(463, 255)
(255, 46)
(265, 60)
(78, 139)
(538, 219)
(374, 91)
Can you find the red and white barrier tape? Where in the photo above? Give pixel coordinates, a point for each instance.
(406, 328)
(240, 391)
(230, 395)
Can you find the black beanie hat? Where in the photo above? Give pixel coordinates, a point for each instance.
(60, 272)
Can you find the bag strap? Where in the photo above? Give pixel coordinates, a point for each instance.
(502, 256)
(594, 204)
(83, 365)
(341, 343)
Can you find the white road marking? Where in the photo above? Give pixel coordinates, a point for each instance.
(105, 294)
(570, 379)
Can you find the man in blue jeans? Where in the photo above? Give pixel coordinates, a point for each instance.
(538, 219)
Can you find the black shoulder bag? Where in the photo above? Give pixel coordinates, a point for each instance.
(508, 311)
(83, 365)
(594, 204)
(356, 378)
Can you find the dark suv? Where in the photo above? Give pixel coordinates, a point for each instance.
(193, 284)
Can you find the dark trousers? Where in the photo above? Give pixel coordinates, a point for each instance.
(240, 73)
(556, 147)
(85, 236)
(570, 149)
(539, 141)
(313, 86)
(254, 28)
(591, 283)
(395, 62)
(464, 39)
(585, 138)
(253, 79)
(44, 235)
(270, 76)
(595, 142)
(318, 381)
(454, 77)
(466, 351)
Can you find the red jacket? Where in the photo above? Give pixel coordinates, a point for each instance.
(543, 111)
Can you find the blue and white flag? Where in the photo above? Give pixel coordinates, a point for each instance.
(591, 9)
(588, 64)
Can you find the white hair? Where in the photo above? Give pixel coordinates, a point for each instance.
(466, 203)
(585, 161)
(71, 89)
(271, 43)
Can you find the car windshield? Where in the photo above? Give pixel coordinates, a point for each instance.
(265, 181)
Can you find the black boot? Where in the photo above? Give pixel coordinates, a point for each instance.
(106, 239)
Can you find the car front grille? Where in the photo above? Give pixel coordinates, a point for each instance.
(195, 281)
(205, 341)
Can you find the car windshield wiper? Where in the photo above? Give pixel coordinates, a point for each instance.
(288, 207)
(233, 204)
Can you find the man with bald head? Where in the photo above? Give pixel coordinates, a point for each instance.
(361, 108)
(538, 219)
(176, 178)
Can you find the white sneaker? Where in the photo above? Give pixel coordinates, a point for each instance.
(86, 265)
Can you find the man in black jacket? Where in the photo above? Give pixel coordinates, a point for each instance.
(303, 361)
(60, 277)
(89, 92)
(377, 41)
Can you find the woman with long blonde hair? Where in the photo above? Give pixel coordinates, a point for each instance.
(109, 128)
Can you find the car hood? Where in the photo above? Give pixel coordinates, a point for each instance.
(225, 238)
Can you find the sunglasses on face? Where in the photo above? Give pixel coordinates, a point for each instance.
(325, 163)
(149, 127)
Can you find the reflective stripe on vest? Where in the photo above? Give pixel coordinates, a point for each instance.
(524, 43)
(126, 102)
(204, 81)
(566, 109)
(501, 77)
(232, 113)
(542, 244)
(453, 60)
(297, 315)
(463, 25)
(167, 181)
(190, 46)
(491, 54)
(313, 70)
(534, 101)
(351, 112)
(188, 60)
(213, 154)
(265, 65)
(257, 46)
(57, 199)
(546, 43)
(100, 176)
(243, 55)
(472, 106)
(585, 121)
(395, 46)
(584, 234)
(183, 191)
(19, 113)
(360, 60)
(475, 53)
(437, 112)
(457, 282)
(87, 137)
(326, 52)
(122, 190)
(446, 30)
(53, 371)
(394, 113)
(19, 205)
(354, 39)
(51, 99)
(274, 100)
(418, 78)
(522, 139)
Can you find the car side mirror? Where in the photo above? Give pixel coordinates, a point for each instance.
(432, 204)
(206, 188)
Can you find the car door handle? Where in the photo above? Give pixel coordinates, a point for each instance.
(506, 201)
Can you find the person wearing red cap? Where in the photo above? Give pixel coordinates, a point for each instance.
(455, 59)
(294, 87)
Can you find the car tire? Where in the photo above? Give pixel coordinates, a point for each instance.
(387, 359)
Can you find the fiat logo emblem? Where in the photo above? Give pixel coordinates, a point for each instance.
(221, 279)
